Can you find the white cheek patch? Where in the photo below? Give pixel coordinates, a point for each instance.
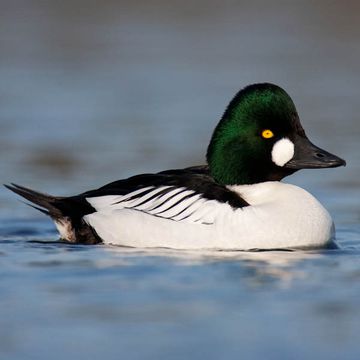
(282, 152)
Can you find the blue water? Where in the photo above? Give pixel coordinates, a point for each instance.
(104, 302)
(91, 93)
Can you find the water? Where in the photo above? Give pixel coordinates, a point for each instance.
(91, 93)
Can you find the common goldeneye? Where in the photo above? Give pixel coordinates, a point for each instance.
(235, 202)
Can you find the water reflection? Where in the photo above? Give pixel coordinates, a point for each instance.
(257, 268)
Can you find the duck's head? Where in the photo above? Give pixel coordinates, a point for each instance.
(260, 138)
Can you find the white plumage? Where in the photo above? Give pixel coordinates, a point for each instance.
(280, 216)
(282, 151)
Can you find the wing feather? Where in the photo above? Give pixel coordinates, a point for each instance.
(189, 195)
(175, 200)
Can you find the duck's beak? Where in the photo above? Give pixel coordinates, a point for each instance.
(309, 156)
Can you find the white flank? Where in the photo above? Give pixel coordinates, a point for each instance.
(280, 216)
(282, 152)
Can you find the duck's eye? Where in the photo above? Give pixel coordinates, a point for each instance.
(267, 134)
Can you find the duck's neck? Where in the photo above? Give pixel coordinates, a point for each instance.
(230, 169)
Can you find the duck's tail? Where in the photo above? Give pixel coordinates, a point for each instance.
(67, 213)
(44, 202)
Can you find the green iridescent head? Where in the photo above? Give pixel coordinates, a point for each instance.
(260, 138)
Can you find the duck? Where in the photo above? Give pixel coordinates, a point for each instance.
(236, 201)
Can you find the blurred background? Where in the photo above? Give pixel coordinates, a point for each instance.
(95, 91)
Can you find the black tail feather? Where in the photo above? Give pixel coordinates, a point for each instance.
(46, 203)
(38, 208)
(66, 211)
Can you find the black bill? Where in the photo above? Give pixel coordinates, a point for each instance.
(309, 156)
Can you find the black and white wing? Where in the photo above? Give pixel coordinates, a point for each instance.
(188, 194)
(178, 195)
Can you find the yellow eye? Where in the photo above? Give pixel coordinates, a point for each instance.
(267, 134)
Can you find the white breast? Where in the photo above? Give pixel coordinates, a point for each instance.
(283, 215)
(280, 216)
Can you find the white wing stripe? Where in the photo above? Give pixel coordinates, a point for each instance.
(134, 193)
(180, 207)
(169, 202)
(174, 201)
(167, 199)
(153, 201)
(136, 203)
(192, 206)
(205, 214)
